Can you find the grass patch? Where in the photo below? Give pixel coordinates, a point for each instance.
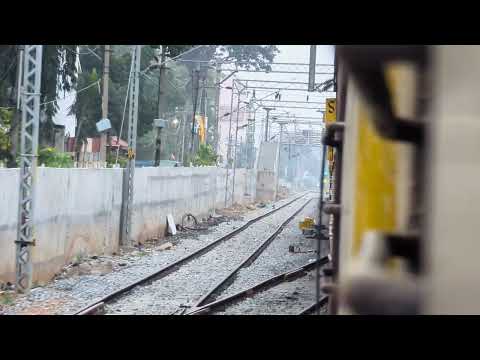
(80, 257)
(6, 299)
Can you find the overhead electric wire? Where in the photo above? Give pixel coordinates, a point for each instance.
(89, 52)
(65, 97)
(261, 105)
(8, 69)
(172, 59)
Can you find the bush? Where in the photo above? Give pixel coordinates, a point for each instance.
(205, 156)
(52, 158)
(5, 143)
(122, 160)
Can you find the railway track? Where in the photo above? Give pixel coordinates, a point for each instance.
(309, 310)
(223, 303)
(99, 305)
(227, 280)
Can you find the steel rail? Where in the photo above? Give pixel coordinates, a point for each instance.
(164, 271)
(259, 287)
(226, 281)
(311, 308)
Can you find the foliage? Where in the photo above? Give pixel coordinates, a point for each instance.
(87, 106)
(111, 157)
(6, 299)
(249, 56)
(58, 74)
(52, 158)
(176, 87)
(205, 156)
(258, 57)
(5, 126)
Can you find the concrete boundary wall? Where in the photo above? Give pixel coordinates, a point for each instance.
(77, 211)
(177, 191)
(159, 191)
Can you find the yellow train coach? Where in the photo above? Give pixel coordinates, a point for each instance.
(406, 148)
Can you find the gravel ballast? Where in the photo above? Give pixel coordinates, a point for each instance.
(68, 295)
(288, 298)
(276, 258)
(181, 289)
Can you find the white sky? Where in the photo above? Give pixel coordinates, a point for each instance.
(301, 54)
(62, 117)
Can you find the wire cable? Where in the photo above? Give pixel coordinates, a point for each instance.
(8, 69)
(172, 59)
(89, 52)
(66, 97)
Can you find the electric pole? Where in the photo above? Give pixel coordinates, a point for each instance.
(235, 148)
(217, 103)
(183, 136)
(267, 109)
(295, 148)
(229, 144)
(16, 123)
(132, 147)
(250, 136)
(32, 77)
(289, 170)
(196, 82)
(311, 71)
(106, 75)
(160, 107)
(203, 108)
(282, 124)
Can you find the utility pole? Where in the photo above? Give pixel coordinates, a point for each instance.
(32, 77)
(218, 75)
(16, 123)
(235, 148)
(183, 136)
(203, 107)
(106, 75)
(196, 82)
(267, 109)
(160, 107)
(250, 136)
(295, 148)
(229, 143)
(320, 212)
(311, 70)
(132, 147)
(282, 124)
(289, 170)
(20, 51)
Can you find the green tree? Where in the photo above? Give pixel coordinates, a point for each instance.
(5, 141)
(58, 74)
(177, 89)
(256, 57)
(87, 107)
